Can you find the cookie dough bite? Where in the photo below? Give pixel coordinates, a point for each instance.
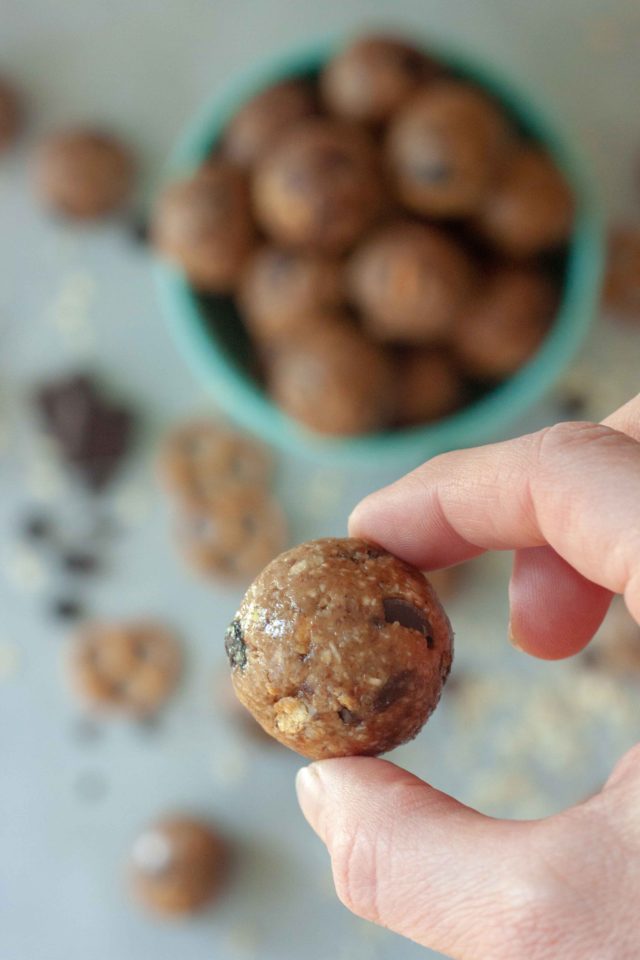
(409, 280)
(333, 380)
(531, 207)
(622, 278)
(204, 225)
(445, 149)
(177, 866)
(234, 534)
(199, 457)
(368, 80)
(505, 324)
(339, 649)
(319, 188)
(10, 114)
(84, 174)
(281, 289)
(124, 667)
(429, 386)
(258, 124)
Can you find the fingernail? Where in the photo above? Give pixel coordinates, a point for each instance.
(513, 640)
(310, 790)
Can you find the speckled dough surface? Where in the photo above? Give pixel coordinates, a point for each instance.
(339, 648)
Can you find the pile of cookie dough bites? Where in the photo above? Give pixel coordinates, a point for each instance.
(384, 231)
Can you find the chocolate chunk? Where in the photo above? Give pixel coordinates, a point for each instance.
(434, 171)
(348, 716)
(139, 229)
(66, 609)
(397, 610)
(393, 690)
(235, 646)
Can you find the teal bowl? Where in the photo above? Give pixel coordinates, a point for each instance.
(214, 350)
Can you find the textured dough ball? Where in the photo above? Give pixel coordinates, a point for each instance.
(531, 207)
(339, 649)
(319, 187)
(281, 290)
(409, 280)
(177, 866)
(429, 386)
(333, 380)
(204, 225)
(622, 280)
(84, 174)
(506, 323)
(10, 114)
(445, 148)
(259, 122)
(372, 77)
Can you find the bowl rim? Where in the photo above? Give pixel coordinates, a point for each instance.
(246, 403)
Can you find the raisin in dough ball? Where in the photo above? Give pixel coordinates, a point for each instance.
(372, 77)
(531, 207)
(333, 380)
(201, 456)
(204, 225)
(177, 866)
(10, 114)
(505, 324)
(622, 280)
(258, 124)
(281, 290)
(126, 667)
(445, 148)
(84, 174)
(409, 280)
(234, 533)
(429, 386)
(339, 648)
(319, 187)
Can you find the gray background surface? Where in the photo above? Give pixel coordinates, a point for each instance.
(68, 808)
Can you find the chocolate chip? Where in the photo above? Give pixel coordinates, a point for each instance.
(235, 646)
(37, 527)
(78, 562)
(434, 171)
(139, 230)
(393, 690)
(347, 716)
(66, 609)
(397, 610)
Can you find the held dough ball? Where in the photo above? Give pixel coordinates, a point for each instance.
(333, 380)
(84, 174)
(531, 207)
(258, 124)
(282, 290)
(372, 77)
(204, 225)
(340, 649)
(319, 187)
(445, 148)
(622, 280)
(429, 386)
(177, 866)
(505, 324)
(409, 280)
(10, 114)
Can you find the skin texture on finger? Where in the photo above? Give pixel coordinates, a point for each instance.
(555, 611)
(574, 487)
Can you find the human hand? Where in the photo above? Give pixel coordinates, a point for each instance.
(413, 859)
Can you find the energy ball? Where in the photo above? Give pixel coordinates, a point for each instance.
(333, 380)
(505, 324)
(258, 124)
(622, 280)
(445, 149)
(409, 280)
(177, 866)
(282, 290)
(319, 188)
(531, 207)
(340, 649)
(372, 77)
(204, 225)
(84, 174)
(429, 386)
(10, 114)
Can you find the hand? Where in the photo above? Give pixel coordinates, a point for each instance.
(406, 856)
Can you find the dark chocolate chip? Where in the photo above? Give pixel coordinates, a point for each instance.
(235, 646)
(75, 561)
(66, 608)
(37, 527)
(434, 171)
(139, 229)
(397, 610)
(347, 716)
(393, 690)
